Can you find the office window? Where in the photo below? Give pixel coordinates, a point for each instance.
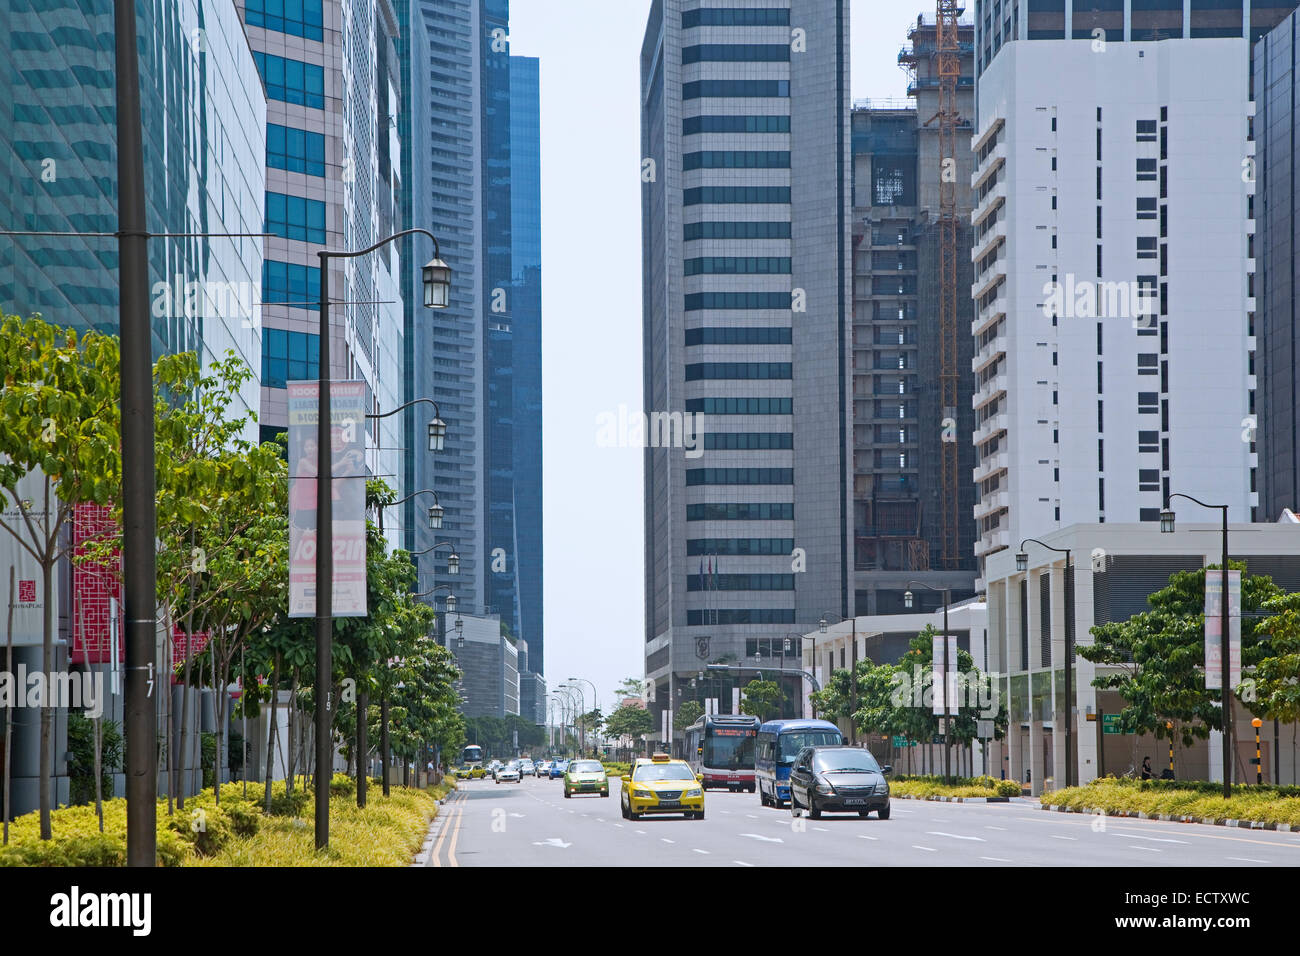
(737, 159)
(738, 370)
(748, 441)
(735, 230)
(741, 406)
(1148, 442)
(1146, 207)
(1149, 479)
(287, 283)
(1148, 514)
(735, 17)
(296, 150)
(736, 265)
(700, 301)
(748, 335)
(1148, 363)
(737, 88)
(292, 80)
(295, 217)
(289, 356)
(693, 125)
(302, 18)
(729, 195)
(1146, 170)
(1146, 131)
(1148, 403)
(736, 53)
(1147, 247)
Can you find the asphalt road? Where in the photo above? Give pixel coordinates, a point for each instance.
(531, 824)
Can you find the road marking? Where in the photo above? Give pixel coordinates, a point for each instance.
(1149, 849)
(696, 849)
(821, 830)
(752, 816)
(954, 836)
(996, 859)
(642, 832)
(1138, 836)
(756, 836)
(928, 849)
(451, 847)
(553, 841)
(1058, 837)
(863, 836)
(1247, 859)
(1003, 829)
(619, 825)
(741, 863)
(666, 840)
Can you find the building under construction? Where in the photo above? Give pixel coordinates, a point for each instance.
(913, 511)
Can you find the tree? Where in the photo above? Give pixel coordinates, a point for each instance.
(1277, 675)
(60, 440)
(687, 713)
(630, 687)
(1156, 659)
(762, 698)
(629, 721)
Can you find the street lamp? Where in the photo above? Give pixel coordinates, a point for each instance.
(380, 506)
(947, 697)
(453, 559)
(437, 282)
(1225, 635)
(437, 428)
(1022, 565)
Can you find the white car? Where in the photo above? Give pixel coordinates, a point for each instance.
(527, 768)
(508, 773)
(543, 768)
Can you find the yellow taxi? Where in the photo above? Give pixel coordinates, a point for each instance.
(661, 784)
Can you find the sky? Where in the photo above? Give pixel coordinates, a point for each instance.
(591, 311)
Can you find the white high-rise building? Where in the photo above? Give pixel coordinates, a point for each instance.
(1113, 284)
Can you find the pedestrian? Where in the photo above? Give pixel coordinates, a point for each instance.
(1146, 768)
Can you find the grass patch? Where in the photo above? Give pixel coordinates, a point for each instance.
(933, 786)
(1197, 799)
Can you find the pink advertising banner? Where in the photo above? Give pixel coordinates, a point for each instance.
(348, 471)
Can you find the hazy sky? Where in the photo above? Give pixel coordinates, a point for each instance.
(591, 308)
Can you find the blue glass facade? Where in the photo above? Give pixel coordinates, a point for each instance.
(204, 112)
(526, 263)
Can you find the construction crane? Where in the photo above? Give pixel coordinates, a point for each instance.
(948, 53)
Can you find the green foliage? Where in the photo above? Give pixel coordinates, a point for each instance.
(81, 766)
(1156, 659)
(629, 721)
(1201, 800)
(208, 758)
(1277, 675)
(206, 828)
(761, 698)
(688, 712)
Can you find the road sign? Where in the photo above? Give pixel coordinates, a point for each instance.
(1110, 724)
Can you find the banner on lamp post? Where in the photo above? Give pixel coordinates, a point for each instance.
(942, 694)
(348, 483)
(1214, 624)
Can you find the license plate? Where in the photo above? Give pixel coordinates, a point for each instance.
(669, 803)
(853, 803)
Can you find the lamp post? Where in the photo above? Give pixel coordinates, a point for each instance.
(582, 713)
(1225, 649)
(595, 700)
(1022, 564)
(437, 292)
(947, 701)
(437, 428)
(569, 693)
(453, 559)
(435, 511)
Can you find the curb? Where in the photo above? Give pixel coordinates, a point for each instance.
(939, 799)
(1176, 818)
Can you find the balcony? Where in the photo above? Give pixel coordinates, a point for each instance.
(992, 162)
(983, 244)
(992, 541)
(992, 349)
(995, 197)
(992, 503)
(990, 466)
(986, 280)
(998, 423)
(986, 318)
(989, 390)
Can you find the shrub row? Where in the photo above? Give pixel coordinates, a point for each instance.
(1199, 800)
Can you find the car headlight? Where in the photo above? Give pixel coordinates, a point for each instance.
(697, 792)
(824, 786)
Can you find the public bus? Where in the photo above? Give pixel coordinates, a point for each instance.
(472, 756)
(779, 742)
(721, 747)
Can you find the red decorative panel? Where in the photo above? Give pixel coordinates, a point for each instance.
(93, 585)
(197, 642)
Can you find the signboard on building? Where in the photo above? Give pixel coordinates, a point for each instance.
(348, 471)
(29, 604)
(1214, 624)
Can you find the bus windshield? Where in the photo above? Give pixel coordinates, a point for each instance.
(727, 749)
(794, 741)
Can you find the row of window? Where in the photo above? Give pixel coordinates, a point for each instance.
(736, 230)
(748, 441)
(736, 17)
(741, 511)
(289, 356)
(740, 476)
(741, 406)
(288, 283)
(702, 546)
(302, 18)
(698, 301)
(740, 582)
(735, 195)
(292, 80)
(295, 217)
(758, 615)
(737, 159)
(737, 265)
(296, 150)
(699, 371)
(749, 335)
(735, 124)
(736, 53)
(698, 89)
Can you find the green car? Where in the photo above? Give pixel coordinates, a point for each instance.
(586, 776)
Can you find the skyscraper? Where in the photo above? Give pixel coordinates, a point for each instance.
(746, 265)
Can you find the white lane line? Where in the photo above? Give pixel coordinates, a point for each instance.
(1058, 837)
(696, 849)
(741, 863)
(1149, 849)
(821, 830)
(666, 840)
(756, 836)
(1138, 836)
(996, 859)
(1003, 829)
(930, 849)
(1247, 859)
(752, 816)
(954, 836)
(619, 825)
(863, 836)
(642, 832)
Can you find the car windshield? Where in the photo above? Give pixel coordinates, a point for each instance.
(794, 741)
(585, 766)
(728, 749)
(651, 772)
(847, 759)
